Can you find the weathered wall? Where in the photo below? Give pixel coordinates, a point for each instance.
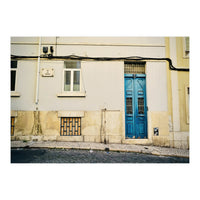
(96, 126)
(183, 82)
(103, 88)
(177, 82)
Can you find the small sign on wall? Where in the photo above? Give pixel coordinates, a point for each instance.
(156, 131)
(47, 72)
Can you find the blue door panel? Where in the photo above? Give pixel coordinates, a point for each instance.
(129, 107)
(135, 106)
(141, 130)
(129, 129)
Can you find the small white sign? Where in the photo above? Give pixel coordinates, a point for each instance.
(47, 72)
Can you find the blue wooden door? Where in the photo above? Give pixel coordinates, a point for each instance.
(135, 106)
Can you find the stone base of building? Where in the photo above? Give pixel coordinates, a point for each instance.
(96, 126)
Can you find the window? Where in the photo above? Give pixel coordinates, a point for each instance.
(12, 125)
(140, 105)
(70, 126)
(186, 46)
(13, 75)
(129, 108)
(72, 74)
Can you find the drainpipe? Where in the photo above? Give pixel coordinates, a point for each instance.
(36, 130)
(38, 75)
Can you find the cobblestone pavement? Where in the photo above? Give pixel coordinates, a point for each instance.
(43, 155)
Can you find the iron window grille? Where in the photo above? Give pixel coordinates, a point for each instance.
(12, 122)
(134, 67)
(70, 126)
(140, 105)
(129, 108)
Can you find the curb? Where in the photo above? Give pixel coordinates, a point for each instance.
(152, 150)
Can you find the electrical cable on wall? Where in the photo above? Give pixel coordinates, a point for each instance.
(131, 58)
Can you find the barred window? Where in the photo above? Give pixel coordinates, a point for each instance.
(12, 125)
(70, 126)
(134, 67)
(129, 108)
(140, 105)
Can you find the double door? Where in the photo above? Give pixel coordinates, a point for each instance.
(135, 106)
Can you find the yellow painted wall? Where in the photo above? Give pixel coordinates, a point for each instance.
(183, 81)
(182, 60)
(169, 86)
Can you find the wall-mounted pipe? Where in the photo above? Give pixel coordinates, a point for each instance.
(38, 74)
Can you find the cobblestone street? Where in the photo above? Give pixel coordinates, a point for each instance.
(44, 155)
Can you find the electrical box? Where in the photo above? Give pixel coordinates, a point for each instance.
(45, 49)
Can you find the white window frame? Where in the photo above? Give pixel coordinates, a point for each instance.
(72, 79)
(73, 93)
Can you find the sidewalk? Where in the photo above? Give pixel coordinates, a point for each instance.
(154, 150)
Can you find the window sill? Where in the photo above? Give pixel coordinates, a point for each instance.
(15, 94)
(72, 94)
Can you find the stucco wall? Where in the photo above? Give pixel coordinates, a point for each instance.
(91, 46)
(102, 81)
(91, 40)
(156, 86)
(102, 84)
(25, 86)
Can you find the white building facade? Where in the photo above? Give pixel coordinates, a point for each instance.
(62, 90)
